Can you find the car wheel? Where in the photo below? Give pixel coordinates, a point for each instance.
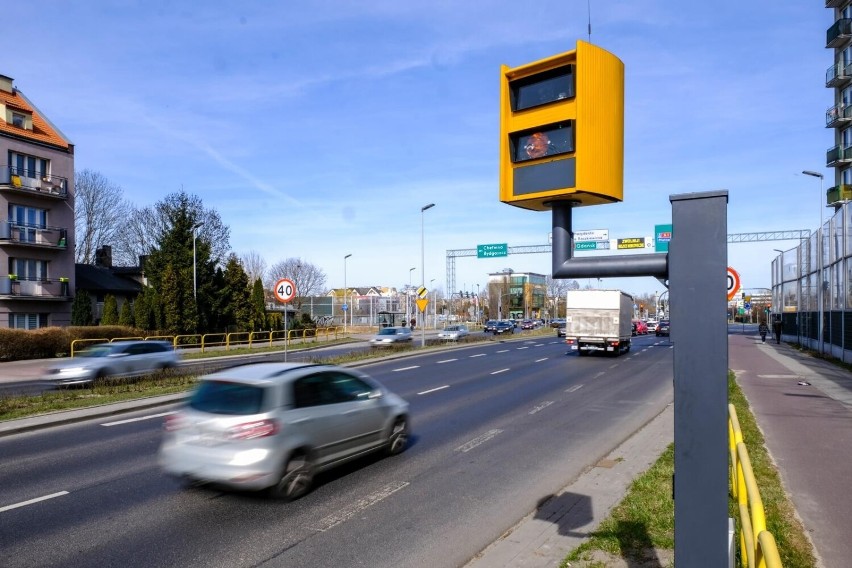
(398, 439)
(296, 480)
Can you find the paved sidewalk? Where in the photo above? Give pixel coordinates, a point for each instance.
(803, 406)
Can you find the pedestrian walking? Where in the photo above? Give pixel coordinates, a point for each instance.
(763, 329)
(776, 329)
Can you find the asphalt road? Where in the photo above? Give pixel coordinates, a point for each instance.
(497, 427)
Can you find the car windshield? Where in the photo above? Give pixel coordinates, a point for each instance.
(387, 331)
(451, 328)
(222, 397)
(99, 351)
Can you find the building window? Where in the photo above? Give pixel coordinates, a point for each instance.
(18, 119)
(26, 221)
(27, 321)
(28, 269)
(29, 166)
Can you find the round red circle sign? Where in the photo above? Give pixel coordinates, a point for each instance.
(285, 290)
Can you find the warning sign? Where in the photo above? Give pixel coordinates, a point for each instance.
(631, 243)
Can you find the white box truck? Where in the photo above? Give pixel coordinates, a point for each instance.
(599, 320)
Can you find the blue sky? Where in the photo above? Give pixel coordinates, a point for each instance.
(320, 128)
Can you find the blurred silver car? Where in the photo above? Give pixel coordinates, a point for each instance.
(276, 425)
(453, 332)
(391, 336)
(116, 359)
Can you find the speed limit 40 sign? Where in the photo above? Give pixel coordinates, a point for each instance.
(285, 290)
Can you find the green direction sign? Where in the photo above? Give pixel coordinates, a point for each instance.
(662, 236)
(591, 245)
(492, 251)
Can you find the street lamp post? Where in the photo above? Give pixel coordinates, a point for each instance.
(408, 310)
(820, 256)
(434, 307)
(423, 270)
(344, 292)
(194, 277)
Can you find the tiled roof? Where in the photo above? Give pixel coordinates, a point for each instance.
(98, 279)
(42, 131)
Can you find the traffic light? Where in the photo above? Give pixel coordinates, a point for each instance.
(562, 129)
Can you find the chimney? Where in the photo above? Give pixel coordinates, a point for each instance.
(6, 84)
(103, 256)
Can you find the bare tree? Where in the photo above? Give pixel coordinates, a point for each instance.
(556, 289)
(144, 227)
(309, 279)
(254, 265)
(100, 210)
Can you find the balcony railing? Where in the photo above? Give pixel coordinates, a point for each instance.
(839, 34)
(838, 193)
(33, 289)
(838, 155)
(40, 236)
(838, 75)
(16, 179)
(838, 115)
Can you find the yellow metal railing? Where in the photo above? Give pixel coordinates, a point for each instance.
(757, 545)
(226, 340)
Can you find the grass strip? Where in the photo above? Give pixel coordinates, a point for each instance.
(641, 527)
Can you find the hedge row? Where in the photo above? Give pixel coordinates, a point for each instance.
(48, 342)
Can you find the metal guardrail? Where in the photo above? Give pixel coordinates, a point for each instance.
(226, 340)
(759, 552)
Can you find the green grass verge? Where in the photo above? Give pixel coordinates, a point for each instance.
(642, 525)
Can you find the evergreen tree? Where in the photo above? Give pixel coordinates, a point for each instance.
(125, 316)
(141, 312)
(258, 302)
(110, 315)
(81, 309)
(235, 297)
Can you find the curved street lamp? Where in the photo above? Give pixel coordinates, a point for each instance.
(820, 255)
(344, 291)
(423, 271)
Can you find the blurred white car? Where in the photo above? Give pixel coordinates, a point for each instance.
(276, 425)
(116, 359)
(389, 336)
(453, 332)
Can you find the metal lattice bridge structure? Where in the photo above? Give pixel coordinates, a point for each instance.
(453, 254)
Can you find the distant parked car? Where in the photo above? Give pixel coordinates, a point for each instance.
(663, 328)
(528, 324)
(640, 327)
(116, 359)
(489, 326)
(276, 426)
(555, 322)
(652, 325)
(504, 326)
(453, 332)
(389, 336)
(561, 330)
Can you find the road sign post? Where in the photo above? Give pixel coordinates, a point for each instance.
(285, 291)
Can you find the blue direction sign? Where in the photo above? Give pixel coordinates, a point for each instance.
(344, 307)
(492, 251)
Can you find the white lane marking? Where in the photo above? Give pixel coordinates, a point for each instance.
(435, 389)
(574, 388)
(524, 347)
(503, 351)
(31, 501)
(406, 368)
(447, 361)
(350, 511)
(541, 406)
(140, 419)
(538, 344)
(613, 366)
(599, 374)
(500, 371)
(478, 355)
(779, 376)
(479, 440)
(540, 360)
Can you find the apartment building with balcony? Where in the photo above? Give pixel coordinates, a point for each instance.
(36, 215)
(839, 115)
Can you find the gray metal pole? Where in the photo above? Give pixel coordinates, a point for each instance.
(697, 267)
